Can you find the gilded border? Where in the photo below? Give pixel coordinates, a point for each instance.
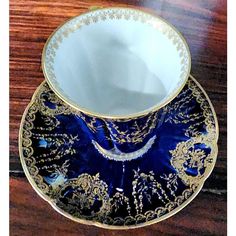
(173, 34)
(101, 225)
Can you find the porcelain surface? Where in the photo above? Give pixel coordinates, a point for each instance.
(116, 62)
(86, 184)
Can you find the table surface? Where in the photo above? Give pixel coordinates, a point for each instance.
(203, 24)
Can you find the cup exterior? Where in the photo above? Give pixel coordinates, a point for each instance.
(122, 135)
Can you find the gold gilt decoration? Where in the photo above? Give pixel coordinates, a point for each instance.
(127, 14)
(120, 200)
(91, 123)
(57, 149)
(171, 182)
(45, 95)
(50, 122)
(76, 198)
(145, 186)
(87, 190)
(205, 104)
(181, 108)
(178, 110)
(134, 134)
(186, 155)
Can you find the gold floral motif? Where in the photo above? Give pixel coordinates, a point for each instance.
(205, 104)
(186, 156)
(60, 169)
(50, 122)
(135, 134)
(171, 183)
(57, 150)
(26, 134)
(145, 186)
(91, 123)
(180, 108)
(45, 95)
(86, 190)
(93, 17)
(57, 177)
(118, 200)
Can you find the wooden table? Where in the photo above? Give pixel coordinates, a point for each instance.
(203, 23)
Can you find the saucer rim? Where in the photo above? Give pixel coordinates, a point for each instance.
(116, 117)
(102, 225)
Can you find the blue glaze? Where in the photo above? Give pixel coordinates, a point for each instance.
(66, 152)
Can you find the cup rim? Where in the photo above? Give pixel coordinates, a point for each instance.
(115, 117)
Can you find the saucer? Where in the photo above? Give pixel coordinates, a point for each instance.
(66, 169)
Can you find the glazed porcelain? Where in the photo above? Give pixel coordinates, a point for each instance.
(89, 185)
(118, 67)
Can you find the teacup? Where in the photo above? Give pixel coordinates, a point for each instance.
(119, 68)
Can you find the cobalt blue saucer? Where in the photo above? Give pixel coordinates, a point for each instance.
(67, 170)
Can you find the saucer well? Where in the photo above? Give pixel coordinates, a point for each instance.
(66, 169)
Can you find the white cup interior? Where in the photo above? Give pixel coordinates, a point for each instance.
(116, 66)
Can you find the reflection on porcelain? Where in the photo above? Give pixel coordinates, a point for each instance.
(118, 67)
(66, 169)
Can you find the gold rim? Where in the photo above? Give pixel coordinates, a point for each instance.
(100, 225)
(99, 115)
(206, 175)
(210, 104)
(87, 222)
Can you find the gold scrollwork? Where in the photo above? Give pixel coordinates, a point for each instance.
(186, 156)
(46, 95)
(134, 134)
(87, 188)
(207, 108)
